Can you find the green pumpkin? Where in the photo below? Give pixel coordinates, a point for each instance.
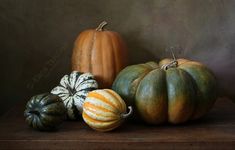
(45, 111)
(172, 91)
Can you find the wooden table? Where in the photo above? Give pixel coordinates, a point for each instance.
(215, 131)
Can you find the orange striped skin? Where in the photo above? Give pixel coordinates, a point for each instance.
(103, 110)
(100, 52)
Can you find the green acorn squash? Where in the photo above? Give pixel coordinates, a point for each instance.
(172, 91)
(45, 112)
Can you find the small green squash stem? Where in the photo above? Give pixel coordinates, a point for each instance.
(127, 114)
(101, 26)
(173, 63)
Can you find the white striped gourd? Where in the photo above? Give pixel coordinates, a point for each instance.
(104, 110)
(73, 90)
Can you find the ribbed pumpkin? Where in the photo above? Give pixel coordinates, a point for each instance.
(73, 90)
(104, 110)
(45, 112)
(173, 91)
(100, 52)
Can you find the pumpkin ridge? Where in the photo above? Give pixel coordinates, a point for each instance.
(97, 107)
(62, 95)
(132, 84)
(41, 96)
(51, 112)
(182, 63)
(76, 79)
(82, 78)
(68, 101)
(109, 128)
(102, 61)
(33, 122)
(158, 100)
(153, 65)
(101, 97)
(196, 88)
(60, 86)
(63, 81)
(115, 62)
(91, 49)
(44, 96)
(95, 110)
(89, 81)
(29, 118)
(38, 122)
(117, 97)
(80, 51)
(51, 102)
(48, 118)
(99, 115)
(65, 99)
(81, 96)
(29, 104)
(180, 100)
(105, 72)
(140, 79)
(205, 99)
(87, 117)
(101, 108)
(81, 82)
(88, 89)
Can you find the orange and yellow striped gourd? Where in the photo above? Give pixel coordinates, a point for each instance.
(104, 110)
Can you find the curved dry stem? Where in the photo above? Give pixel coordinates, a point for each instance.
(127, 114)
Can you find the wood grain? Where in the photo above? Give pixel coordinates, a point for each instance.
(215, 131)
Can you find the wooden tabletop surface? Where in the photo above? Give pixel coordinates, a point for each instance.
(215, 131)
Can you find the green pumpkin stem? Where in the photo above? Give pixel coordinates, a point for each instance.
(127, 114)
(172, 53)
(173, 63)
(101, 26)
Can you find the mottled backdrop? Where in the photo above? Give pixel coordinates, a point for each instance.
(36, 37)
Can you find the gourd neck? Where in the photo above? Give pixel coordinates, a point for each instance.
(126, 115)
(101, 26)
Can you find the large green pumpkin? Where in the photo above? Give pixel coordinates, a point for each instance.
(45, 112)
(172, 91)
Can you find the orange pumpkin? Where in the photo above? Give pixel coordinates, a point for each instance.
(100, 52)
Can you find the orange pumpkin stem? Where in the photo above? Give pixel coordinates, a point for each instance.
(101, 26)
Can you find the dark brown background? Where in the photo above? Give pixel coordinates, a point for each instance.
(36, 37)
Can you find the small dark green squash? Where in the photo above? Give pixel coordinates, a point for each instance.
(45, 112)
